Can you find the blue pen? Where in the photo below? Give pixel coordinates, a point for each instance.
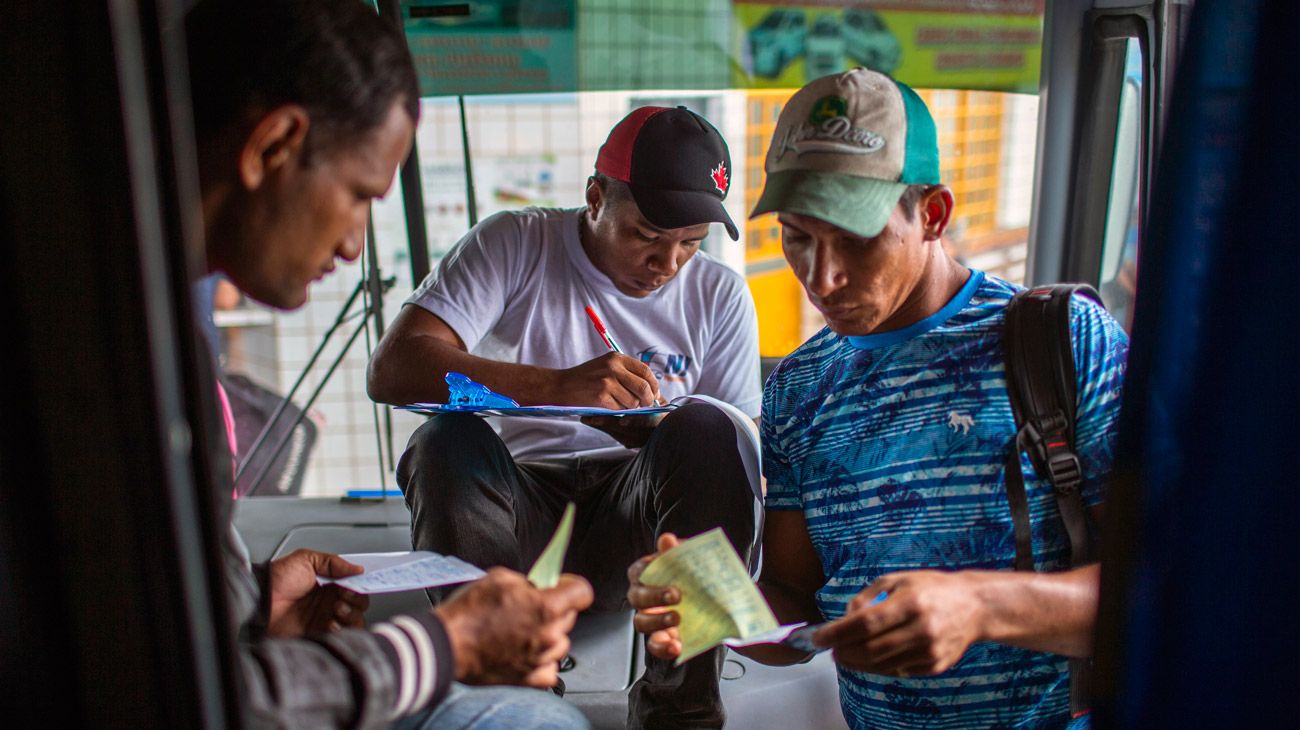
(801, 638)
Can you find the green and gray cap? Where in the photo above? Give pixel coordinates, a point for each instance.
(846, 147)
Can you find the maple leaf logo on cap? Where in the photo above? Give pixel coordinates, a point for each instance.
(719, 174)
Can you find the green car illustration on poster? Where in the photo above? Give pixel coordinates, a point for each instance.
(777, 41)
(824, 51)
(868, 42)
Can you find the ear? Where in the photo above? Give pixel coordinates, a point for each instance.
(275, 140)
(936, 210)
(595, 196)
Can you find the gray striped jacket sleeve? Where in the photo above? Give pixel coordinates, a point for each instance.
(350, 678)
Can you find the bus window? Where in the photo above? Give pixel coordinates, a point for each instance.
(1120, 244)
(533, 132)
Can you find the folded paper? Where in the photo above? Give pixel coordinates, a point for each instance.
(719, 599)
(404, 571)
(546, 571)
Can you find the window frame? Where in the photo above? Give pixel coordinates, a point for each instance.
(1106, 56)
(1083, 75)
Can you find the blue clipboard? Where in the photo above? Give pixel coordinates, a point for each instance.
(467, 396)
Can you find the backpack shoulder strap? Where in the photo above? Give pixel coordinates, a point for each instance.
(1040, 377)
(1039, 353)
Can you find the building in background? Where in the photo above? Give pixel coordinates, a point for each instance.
(778, 296)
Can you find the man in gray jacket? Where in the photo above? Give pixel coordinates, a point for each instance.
(303, 110)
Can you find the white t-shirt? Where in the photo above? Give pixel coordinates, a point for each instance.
(515, 287)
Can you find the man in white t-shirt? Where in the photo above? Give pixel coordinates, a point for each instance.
(506, 307)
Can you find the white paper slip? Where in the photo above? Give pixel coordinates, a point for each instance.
(775, 636)
(404, 571)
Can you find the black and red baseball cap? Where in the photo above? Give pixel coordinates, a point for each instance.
(674, 162)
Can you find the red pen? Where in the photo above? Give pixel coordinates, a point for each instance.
(604, 333)
(609, 341)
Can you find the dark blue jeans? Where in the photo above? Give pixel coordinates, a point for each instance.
(470, 498)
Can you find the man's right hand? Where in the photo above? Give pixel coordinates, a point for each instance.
(504, 630)
(612, 380)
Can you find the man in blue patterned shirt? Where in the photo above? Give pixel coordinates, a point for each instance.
(885, 438)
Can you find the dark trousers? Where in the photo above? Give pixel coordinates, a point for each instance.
(470, 498)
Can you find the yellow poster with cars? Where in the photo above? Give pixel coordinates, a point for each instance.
(965, 44)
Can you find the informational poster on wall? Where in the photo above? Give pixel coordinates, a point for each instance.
(531, 46)
(957, 44)
(506, 182)
(492, 46)
(665, 44)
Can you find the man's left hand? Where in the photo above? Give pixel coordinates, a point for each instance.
(300, 606)
(654, 617)
(923, 627)
(631, 431)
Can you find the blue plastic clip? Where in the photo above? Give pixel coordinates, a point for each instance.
(465, 392)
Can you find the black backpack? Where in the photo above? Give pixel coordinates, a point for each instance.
(1039, 354)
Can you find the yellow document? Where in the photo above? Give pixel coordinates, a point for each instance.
(546, 571)
(719, 599)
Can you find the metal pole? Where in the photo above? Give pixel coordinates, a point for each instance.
(288, 436)
(471, 205)
(417, 233)
(284, 402)
(376, 307)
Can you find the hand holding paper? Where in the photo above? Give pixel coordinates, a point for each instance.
(505, 630)
(490, 644)
(719, 600)
(300, 605)
(415, 569)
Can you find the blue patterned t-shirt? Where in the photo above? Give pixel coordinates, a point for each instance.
(893, 446)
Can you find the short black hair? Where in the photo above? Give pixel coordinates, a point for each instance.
(911, 197)
(338, 59)
(616, 191)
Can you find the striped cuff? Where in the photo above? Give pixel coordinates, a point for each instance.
(418, 648)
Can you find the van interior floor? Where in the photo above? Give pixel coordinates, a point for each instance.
(607, 654)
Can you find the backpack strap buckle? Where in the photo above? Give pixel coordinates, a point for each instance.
(1065, 472)
(1046, 442)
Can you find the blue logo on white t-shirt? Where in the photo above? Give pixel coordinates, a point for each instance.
(666, 366)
